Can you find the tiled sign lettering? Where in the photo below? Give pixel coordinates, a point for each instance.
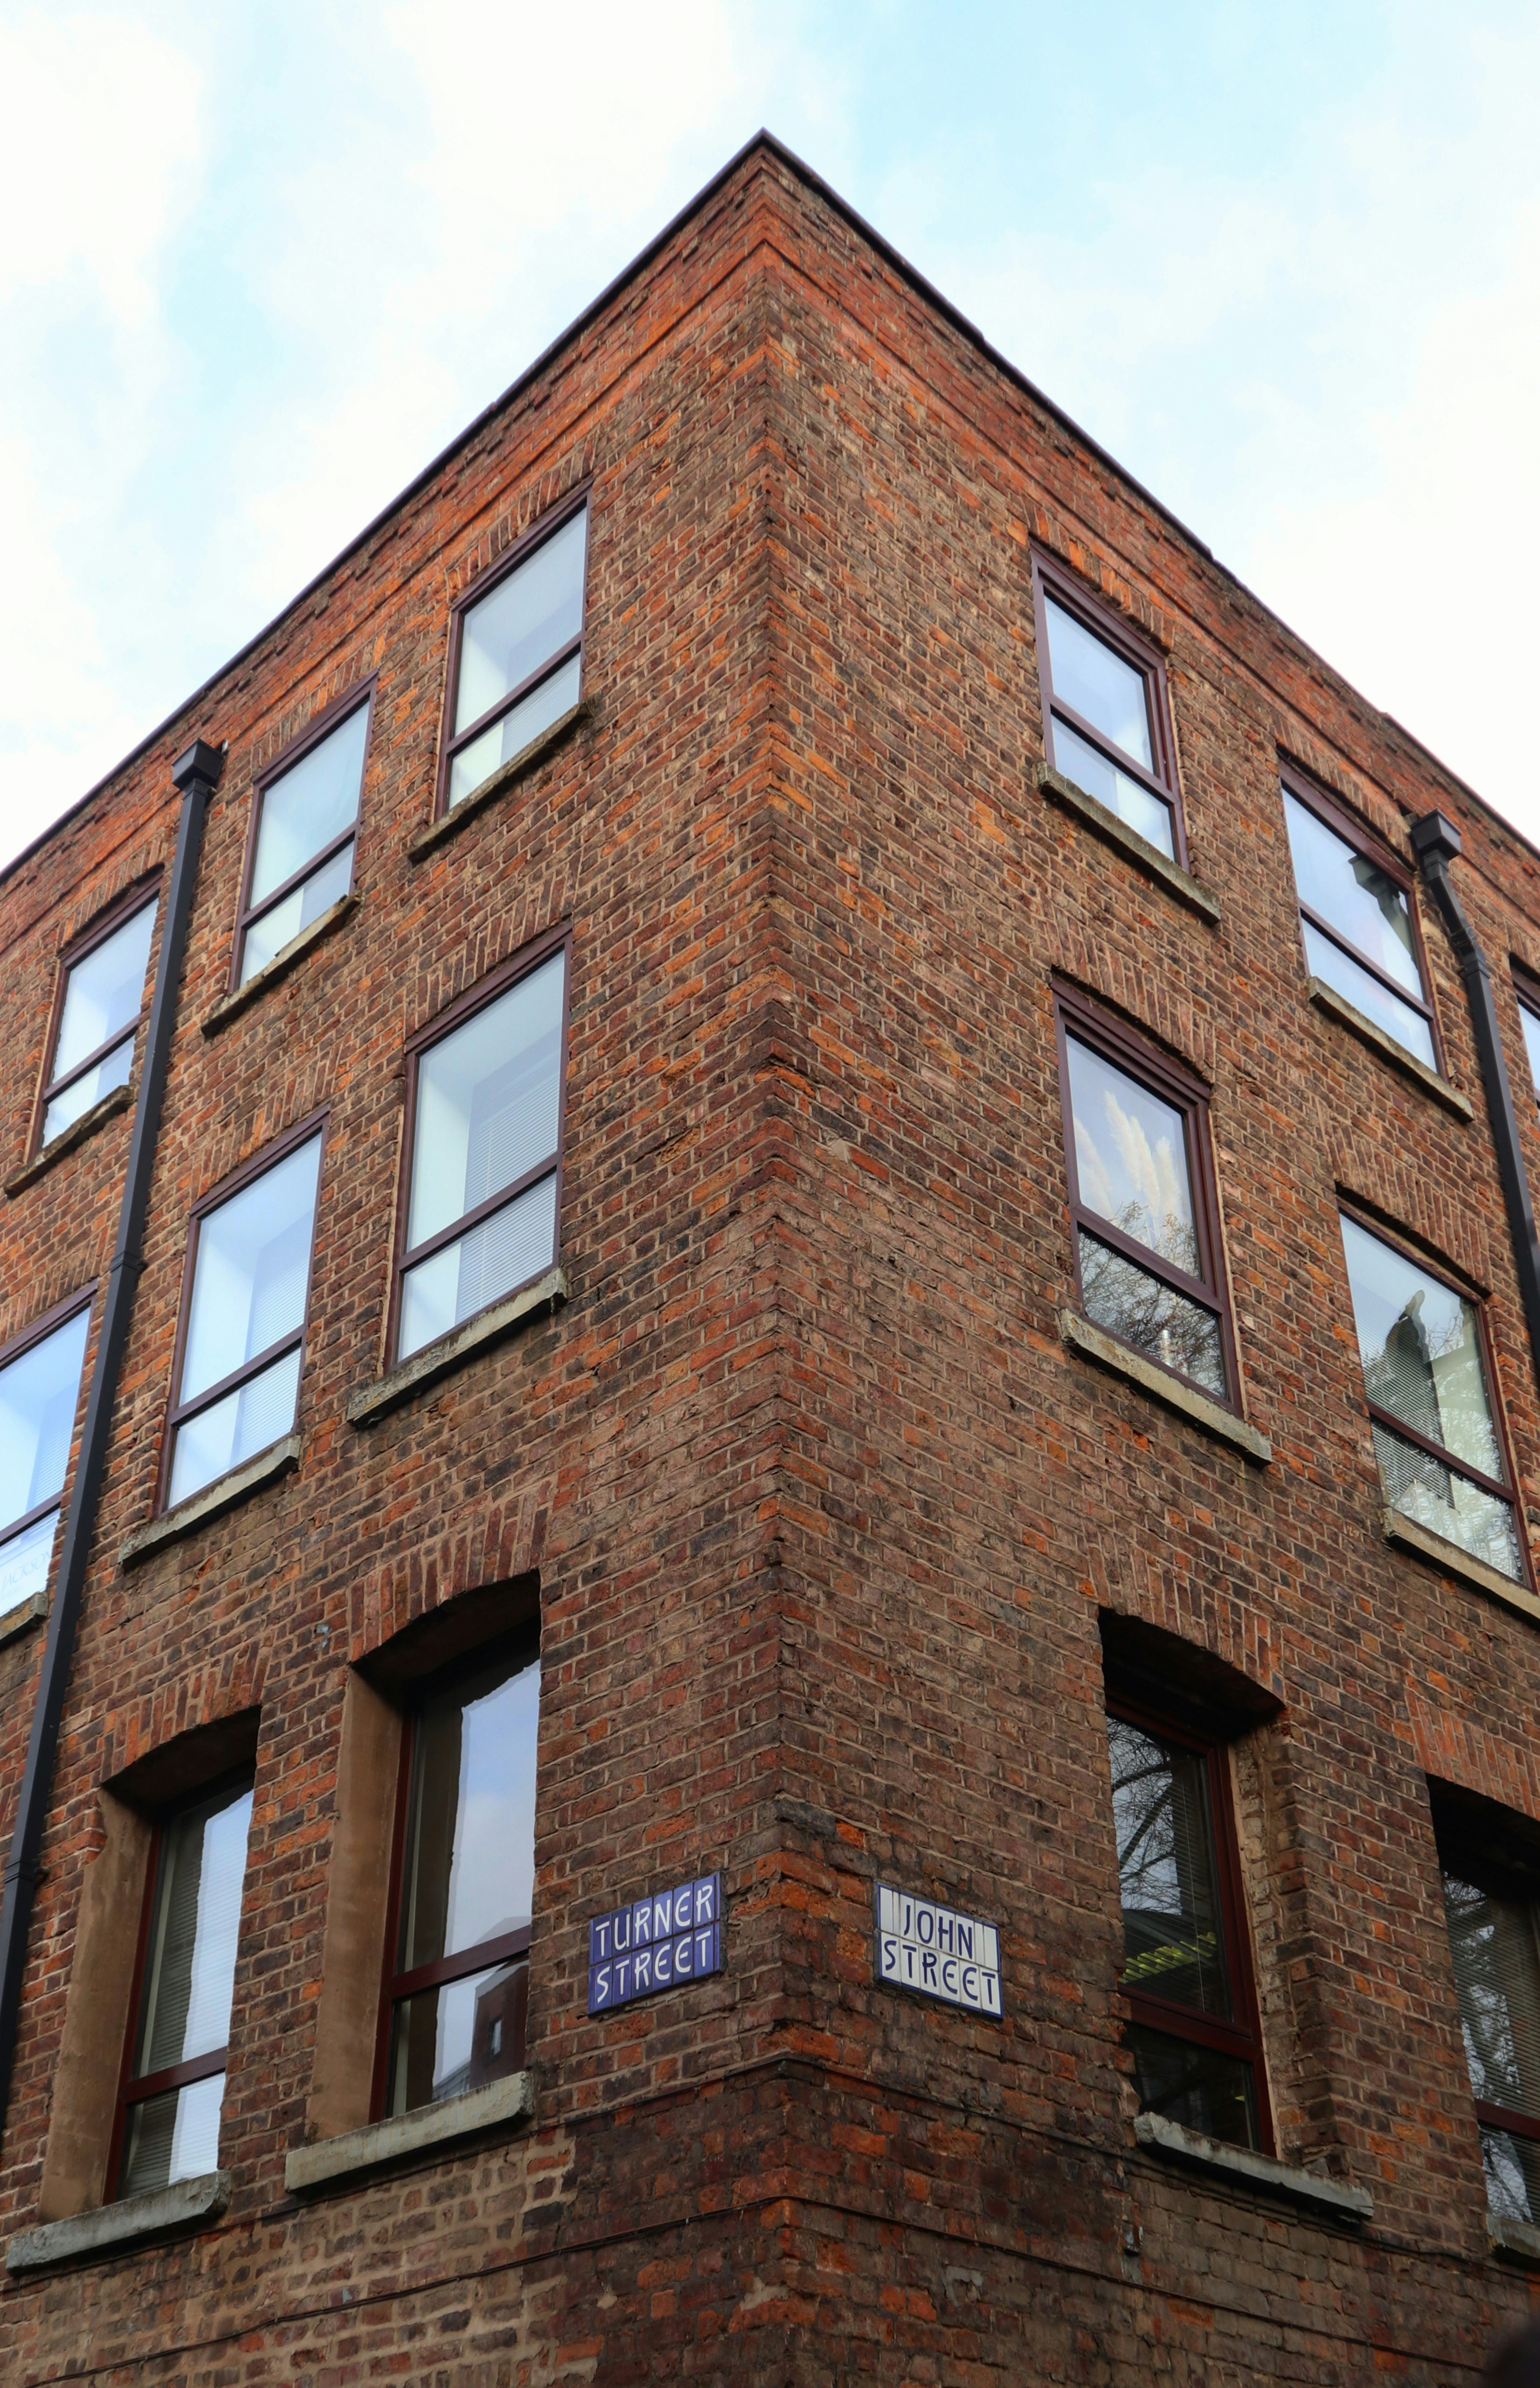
(656, 1943)
(933, 1949)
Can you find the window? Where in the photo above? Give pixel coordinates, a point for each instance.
(1105, 723)
(516, 656)
(1435, 1430)
(484, 1138)
(1529, 1021)
(1194, 2033)
(456, 1996)
(174, 2084)
(300, 853)
(243, 1316)
(102, 997)
(1356, 918)
(1143, 1198)
(39, 1391)
(1492, 1905)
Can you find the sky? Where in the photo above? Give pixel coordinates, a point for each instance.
(258, 263)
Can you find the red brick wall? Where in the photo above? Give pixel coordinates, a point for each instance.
(822, 1509)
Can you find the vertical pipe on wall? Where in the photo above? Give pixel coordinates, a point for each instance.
(196, 773)
(1436, 842)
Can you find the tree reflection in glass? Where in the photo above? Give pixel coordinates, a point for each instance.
(1133, 1170)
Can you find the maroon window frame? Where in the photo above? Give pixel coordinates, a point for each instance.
(1503, 1873)
(145, 891)
(177, 1412)
(1241, 2036)
(1526, 990)
(396, 1983)
(1077, 1014)
(331, 717)
(1050, 579)
(476, 998)
(1365, 1219)
(1363, 840)
(134, 2089)
(38, 1331)
(452, 741)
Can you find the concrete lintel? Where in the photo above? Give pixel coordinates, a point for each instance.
(1518, 2241)
(1107, 824)
(104, 2229)
(1408, 1535)
(435, 1360)
(116, 1099)
(1326, 999)
(1244, 2164)
(1152, 1379)
(424, 843)
(223, 1494)
(324, 2162)
(283, 961)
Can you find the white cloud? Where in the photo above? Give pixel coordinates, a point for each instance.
(90, 198)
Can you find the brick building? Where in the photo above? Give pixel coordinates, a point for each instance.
(770, 1415)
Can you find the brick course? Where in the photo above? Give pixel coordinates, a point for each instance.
(822, 1510)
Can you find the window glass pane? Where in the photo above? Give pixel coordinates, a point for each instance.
(233, 1431)
(113, 1070)
(1359, 900)
(1094, 681)
(458, 2036)
(471, 1837)
(488, 1099)
(1131, 1158)
(514, 731)
(1171, 1936)
(1531, 1026)
(505, 1250)
(25, 1561)
(1448, 1503)
(174, 2137)
(1141, 1309)
(310, 805)
(513, 630)
(252, 1270)
(1496, 1961)
(1420, 1347)
(1328, 961)
(105, 990)
(190, 1964)
(38, 1392)
(299, 908)
(1512, 2167)
(1132, 802)
(1200, 2088)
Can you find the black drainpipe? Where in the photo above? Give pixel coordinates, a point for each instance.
(196, 773)
(1436, 842)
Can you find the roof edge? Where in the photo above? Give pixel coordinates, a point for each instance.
(766, 141)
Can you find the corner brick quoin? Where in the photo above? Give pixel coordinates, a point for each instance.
(835, 1545)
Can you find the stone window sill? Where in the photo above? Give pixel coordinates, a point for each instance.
(326, 2162)
(67, 1139)
(230, 1006)
(1408, 1535)
(544, 1298)
(26, 1614)
(153, 2214)
(429, 839)
(1106, 823)
(1337, 1007)
(224, 1493)
(1520, 2241)
(1248, 2169)
(1081, 1336)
